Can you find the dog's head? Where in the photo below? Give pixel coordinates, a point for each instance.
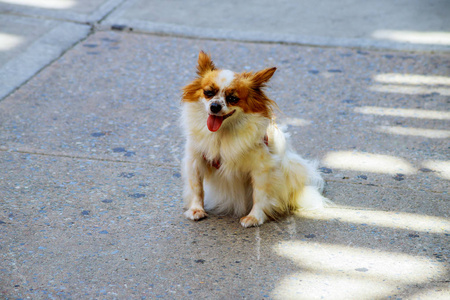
(226, 94)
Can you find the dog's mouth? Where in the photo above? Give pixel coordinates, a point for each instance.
(214, 122)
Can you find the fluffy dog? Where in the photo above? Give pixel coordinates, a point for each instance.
(237, 161)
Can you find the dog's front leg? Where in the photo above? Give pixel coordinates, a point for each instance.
(193, 189)
(261, 199)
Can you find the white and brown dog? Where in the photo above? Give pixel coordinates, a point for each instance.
(236, 160)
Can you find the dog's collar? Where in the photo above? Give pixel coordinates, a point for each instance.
(266, 140)
(216, 163)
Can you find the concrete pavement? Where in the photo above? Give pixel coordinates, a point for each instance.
(30, 27)
(90, 148)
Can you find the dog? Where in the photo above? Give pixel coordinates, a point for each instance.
(237, 161)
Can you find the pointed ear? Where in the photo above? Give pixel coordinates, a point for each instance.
(261, 77)
(205, 64)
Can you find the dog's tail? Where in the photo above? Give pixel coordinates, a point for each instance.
(303, 181)
(306, 183)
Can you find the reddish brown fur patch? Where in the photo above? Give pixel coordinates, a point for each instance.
(205, 68)
(248, 88)
(194, 91)
(261, 77)
(208, 81)
(205, 64)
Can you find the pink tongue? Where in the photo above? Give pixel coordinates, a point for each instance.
(214, 123)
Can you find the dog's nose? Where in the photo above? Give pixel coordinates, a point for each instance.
(215, 108)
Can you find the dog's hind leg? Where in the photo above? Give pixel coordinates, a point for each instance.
(264, 183)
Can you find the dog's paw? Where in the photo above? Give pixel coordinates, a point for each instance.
(249, 221)
(195, 214)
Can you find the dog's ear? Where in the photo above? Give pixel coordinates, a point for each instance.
(205, 64)
(261, 77)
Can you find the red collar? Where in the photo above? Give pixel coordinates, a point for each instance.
(216, 163)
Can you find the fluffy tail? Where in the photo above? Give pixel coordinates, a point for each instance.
(306, 182)
(310, 199)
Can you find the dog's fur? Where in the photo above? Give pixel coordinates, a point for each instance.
(240, 164)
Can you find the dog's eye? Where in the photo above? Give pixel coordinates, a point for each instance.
(232, 99)
(209, 93)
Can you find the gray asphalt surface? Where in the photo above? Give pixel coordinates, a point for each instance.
(90, 147)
